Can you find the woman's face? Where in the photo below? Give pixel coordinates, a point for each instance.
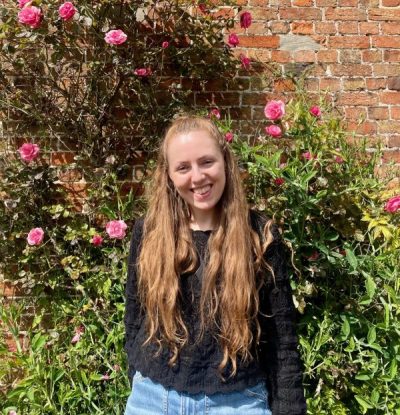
(196, 167)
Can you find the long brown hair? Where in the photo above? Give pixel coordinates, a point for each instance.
(229, 296)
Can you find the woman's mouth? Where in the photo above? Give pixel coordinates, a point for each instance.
(201, 193)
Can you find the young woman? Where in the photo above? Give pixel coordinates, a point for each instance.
(209, 314)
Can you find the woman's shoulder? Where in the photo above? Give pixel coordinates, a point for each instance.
(258, 222)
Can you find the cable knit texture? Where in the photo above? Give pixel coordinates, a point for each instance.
(278, 362)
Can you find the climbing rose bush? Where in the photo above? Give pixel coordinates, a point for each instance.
(67, 11)
(116, 229)
(274, 110)
(115, 37)
(30, 16)
(35, 236)
(393, 204)
(29, 152)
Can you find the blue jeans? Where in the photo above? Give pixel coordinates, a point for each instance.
(151, 398)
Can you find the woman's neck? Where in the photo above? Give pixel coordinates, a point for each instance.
(204, 221)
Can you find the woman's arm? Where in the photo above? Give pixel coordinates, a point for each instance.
(281, 359)
(133, 317)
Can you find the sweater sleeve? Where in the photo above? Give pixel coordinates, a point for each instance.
(133, 315)
(281, 358)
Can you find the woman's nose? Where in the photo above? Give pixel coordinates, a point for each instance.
(197, 174)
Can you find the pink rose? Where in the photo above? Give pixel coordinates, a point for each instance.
(97, 240)
(30, 16)
(115, 37)
(67, 10)
(142, 72)
(245, 62)
(35, 236)
(165, 44)
(29, 152)
(393, 204)
(274, 130)
(229, 137)
(116, 229)
(12, 413)
(274, 110)
(105, 377)
(215, 113)
(78, 334)
(279, 181)
(233, 40)
(21, 3)
(308, 156)
(245, 20)
(339, 159)
(315, 111)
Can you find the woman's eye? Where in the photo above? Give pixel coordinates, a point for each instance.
(208, 162)
(182, 168)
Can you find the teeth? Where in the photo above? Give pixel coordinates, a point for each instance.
(202, 190)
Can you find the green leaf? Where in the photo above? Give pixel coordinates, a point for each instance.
(371, 337)
(363, 402)
(38, 341)
(351, 258)
(370, 287)
(345, 328)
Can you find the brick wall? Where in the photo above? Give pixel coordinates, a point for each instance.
(350, 47)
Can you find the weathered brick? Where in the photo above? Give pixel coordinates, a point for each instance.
(378, 113)
(283, 85)
(357, 42)
(376, 83)
(391, 55)
(240, 113)
(351, 70)
(386, 41)
(389, 156)
(394, 83)
(69, 175)
(304, 56)
(386, 69)
(354, 84)
(306, 13)
(279, 27)
(259, 41)
(355, 113)
(390, 28)
(390, 3)
(218, 98)
(328, 28)
(390, 97)
(395, 113)
(330, 56)
(255, 99)
(330, 84)
(368, 28)
(386, 15)
(358, 98)
(263, 13)
(349, 56)
(281, 56)
(345, 13)
(348, 28)
(364, 128)
(347, 3)
(302, 28)
(59, 158)
(326, 3)
(394, 141)
(372, 56)
(302, 3)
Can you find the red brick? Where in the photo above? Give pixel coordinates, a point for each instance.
(365, 127)
(347, 3)
(378, 113)
(259, 41)
(376, 83)
(60, 158)
(394, 141)
(372, 56)
(387, 15)
(351, 70)
(255, 99)
(283, 85)
(339, 13)
(386, 41)
(76, 189)
(354, 84)
(259, 55)
(331, 84)
(8, 289)
(306, 13)
(302, 28)
(355, 113)
(218, 98)
(394, 83)
(390, 97)
(390, 3)
(328, 28)
(389, 156)
(349, 56)
(69, 175)
(348, 28)
(264, 14)
(391, 55)
(256, 28)
(311, 85)
(368, 28)
(304, 56)
(240, 113)
(223, 12)
(327, 56)
(326, 3)
(388, 127)
(358, 98)
(386, 69)
(390, 28)
(279, 27)
(302, 3)
(395, 113)
(347, 42)
(281, 56)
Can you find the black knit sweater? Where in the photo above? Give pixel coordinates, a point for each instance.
(196, 370)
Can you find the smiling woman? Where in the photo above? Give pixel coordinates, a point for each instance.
(209, 314)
